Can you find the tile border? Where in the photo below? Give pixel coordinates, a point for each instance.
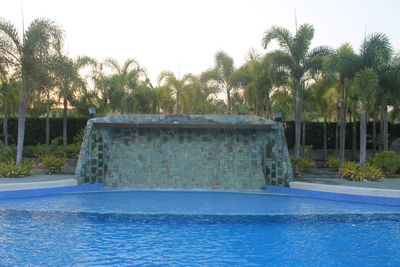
(49, 191)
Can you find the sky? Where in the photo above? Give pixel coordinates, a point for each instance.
(183, 36)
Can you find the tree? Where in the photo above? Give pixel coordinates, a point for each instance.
(9, 87)
(345, 63)
(117, 88)
(22, 53)
(220, 76)
(176, 85)
(367, 87)
(67, 80)
(376, 53)
(255, 77)
(195, 96)
(324, 97)
(296, 59)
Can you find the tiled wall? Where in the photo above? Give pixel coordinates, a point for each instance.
(187, 158)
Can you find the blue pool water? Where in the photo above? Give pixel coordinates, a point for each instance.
(197, 229)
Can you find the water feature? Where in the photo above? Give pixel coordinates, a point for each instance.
(184, 151)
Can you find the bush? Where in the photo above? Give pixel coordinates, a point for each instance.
(53, 163)
(353, 171)
(6, 152)
(70, 151)
(373, 173)
(9, 169)
(304, 163)
(333, 162)
(387, 161)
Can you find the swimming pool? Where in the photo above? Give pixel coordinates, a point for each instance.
(197, 229)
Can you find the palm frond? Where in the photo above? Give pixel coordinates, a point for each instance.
(10, 45)
(302, 41)
(282, 35)
(41, 36)
(376, 50)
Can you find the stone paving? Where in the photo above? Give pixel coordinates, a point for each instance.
(329, 177)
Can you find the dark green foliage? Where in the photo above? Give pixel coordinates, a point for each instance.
(35, 129)
(314, 134)
(6, 152)
(387, 161)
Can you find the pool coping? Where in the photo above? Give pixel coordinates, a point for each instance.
(340, 193)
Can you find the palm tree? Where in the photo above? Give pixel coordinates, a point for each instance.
(195, 96)
(345, 63)
(296, 59)
(22, 53)
(168, 78)
(256, 79)
(117, 88)
(46, 87)
(367, 87)
(9, 87)
(376, 53)
(324, 96)
(220, 75)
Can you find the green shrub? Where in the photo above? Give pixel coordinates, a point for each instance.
(70, 151)
(9, 169)
(333, 162)
(6, 152)
(353, 171)
(387, 161)
(304, 163)
(53, 163)
(373, 173)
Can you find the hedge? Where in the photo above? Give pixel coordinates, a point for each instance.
(315, 133)
(35, 131)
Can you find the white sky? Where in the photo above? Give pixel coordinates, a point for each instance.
(185, 34)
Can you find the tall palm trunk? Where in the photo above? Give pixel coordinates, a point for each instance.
(337, 137)
(297, 123)
(65, 113)
(5, 119)
(354, 137)
(380, 143)
(21, 119)
(374, 135)
(303, 138)
(228, 98)
(363, 138)
(47, 123)
(257, 107)
(342, 139)
(385, 134)
(177, 109)
(267, 105)
(325, 140)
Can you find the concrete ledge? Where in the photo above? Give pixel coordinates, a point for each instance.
(37, 185)
(330, 195)
(364, 191)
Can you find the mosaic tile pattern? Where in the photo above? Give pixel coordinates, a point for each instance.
(120, 151)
